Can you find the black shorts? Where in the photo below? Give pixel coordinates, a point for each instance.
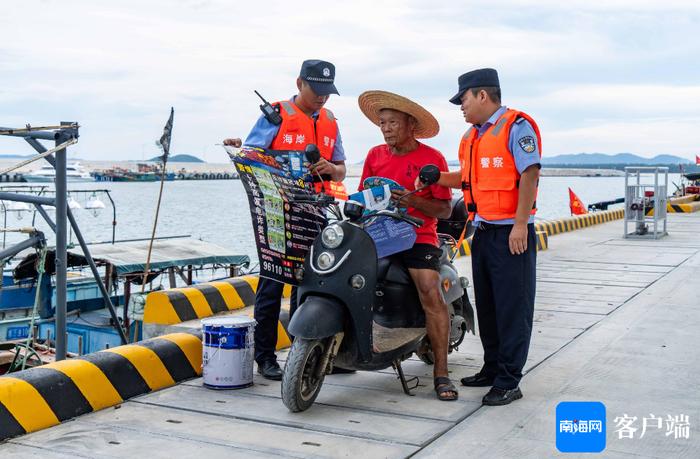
(421, 256)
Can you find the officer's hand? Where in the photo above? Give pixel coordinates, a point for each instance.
(517, 241)
(322, 167)
(233, 142)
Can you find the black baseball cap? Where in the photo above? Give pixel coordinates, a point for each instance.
(320, 75)
(475, 79)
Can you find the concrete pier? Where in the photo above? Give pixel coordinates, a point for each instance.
(616, 321)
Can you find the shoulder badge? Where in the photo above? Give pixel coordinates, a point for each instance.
(527, 143)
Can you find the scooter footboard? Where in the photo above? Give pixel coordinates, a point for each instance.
(305, 322)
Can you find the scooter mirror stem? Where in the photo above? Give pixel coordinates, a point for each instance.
(398, 202)
(428, 175)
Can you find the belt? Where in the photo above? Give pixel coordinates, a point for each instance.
(483, 226)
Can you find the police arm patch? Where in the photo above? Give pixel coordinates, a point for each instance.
(527, 143)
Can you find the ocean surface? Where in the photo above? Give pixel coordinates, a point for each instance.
(217, 211)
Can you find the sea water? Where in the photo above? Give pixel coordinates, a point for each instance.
(217, 211)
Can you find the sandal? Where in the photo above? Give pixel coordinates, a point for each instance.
(443, 386)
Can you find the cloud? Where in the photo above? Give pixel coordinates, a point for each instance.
(579, 67)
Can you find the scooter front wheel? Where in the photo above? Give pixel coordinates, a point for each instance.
(303, 376)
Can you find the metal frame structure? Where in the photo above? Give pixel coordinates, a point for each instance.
(639, 200)
(67, 131)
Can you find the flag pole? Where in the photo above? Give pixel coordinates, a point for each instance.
(165, 143)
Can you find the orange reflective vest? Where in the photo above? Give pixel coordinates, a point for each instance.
(490, 179)
(298, 130)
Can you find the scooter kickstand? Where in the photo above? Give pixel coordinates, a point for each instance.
(402, 377)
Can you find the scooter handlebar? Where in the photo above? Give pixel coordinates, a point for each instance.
(415, 221)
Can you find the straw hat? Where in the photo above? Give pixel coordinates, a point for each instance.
(371, 102)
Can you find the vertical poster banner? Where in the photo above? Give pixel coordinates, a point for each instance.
(276, 182)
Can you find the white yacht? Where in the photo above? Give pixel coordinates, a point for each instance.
(74, 173)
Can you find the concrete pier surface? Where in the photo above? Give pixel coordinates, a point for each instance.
(616, 321)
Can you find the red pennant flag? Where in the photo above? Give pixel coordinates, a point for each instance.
(576, 205)
(697, 160)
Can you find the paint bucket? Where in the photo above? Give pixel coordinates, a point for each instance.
(227, 352)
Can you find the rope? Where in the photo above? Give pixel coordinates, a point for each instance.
(65, 144)
(37, 297)
(27, 230)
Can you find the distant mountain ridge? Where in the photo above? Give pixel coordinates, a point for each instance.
(588, 159)
(180, 159)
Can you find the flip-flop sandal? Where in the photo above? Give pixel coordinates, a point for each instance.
(443, 386)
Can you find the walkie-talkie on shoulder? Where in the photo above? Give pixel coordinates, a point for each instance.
(269, 111)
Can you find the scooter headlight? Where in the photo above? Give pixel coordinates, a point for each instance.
(325, 260)
(332, 236)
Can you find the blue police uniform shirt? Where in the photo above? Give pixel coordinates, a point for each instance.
(264, 132)
(520, 129)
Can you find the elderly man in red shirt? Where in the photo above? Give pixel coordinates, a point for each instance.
(400, 158)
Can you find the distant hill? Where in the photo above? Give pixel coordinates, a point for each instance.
(180, 159)
(597, 159)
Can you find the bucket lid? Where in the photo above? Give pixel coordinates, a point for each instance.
(229, 321)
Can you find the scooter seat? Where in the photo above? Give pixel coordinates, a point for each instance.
(391, 269)
(382, 267)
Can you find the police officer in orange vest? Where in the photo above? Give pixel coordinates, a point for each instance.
(500, 166)
(304, 121)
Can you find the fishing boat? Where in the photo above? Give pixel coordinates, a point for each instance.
(175, 262)
(75, 172)
(144, 173)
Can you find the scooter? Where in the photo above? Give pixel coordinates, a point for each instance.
(360, 312)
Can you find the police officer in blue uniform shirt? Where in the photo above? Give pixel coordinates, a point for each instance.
(504, 245)
(268, 297)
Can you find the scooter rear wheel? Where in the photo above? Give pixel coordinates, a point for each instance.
(303, 378)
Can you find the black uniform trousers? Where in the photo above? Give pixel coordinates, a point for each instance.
(504, 289)
(268, 299)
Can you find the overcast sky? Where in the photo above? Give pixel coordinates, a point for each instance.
(610, 76)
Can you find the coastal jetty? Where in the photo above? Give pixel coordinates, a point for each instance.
(614, 318)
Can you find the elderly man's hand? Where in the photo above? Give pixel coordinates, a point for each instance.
(323, 167)
(398, 194)
(236, 142)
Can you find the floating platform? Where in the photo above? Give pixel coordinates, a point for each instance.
(616, 321)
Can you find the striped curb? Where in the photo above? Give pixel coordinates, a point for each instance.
(45, 396)
(683, 205)
(178, 305)
(579, 221)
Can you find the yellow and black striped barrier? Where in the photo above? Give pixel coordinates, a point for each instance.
(177, 305)
(579, 221)
(542, 244)
(682, 205)
(41, 397)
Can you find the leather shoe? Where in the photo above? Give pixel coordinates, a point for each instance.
(270, 369)
(478, 380)
(497, 397)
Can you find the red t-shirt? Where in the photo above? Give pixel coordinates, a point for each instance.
(404, 169)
